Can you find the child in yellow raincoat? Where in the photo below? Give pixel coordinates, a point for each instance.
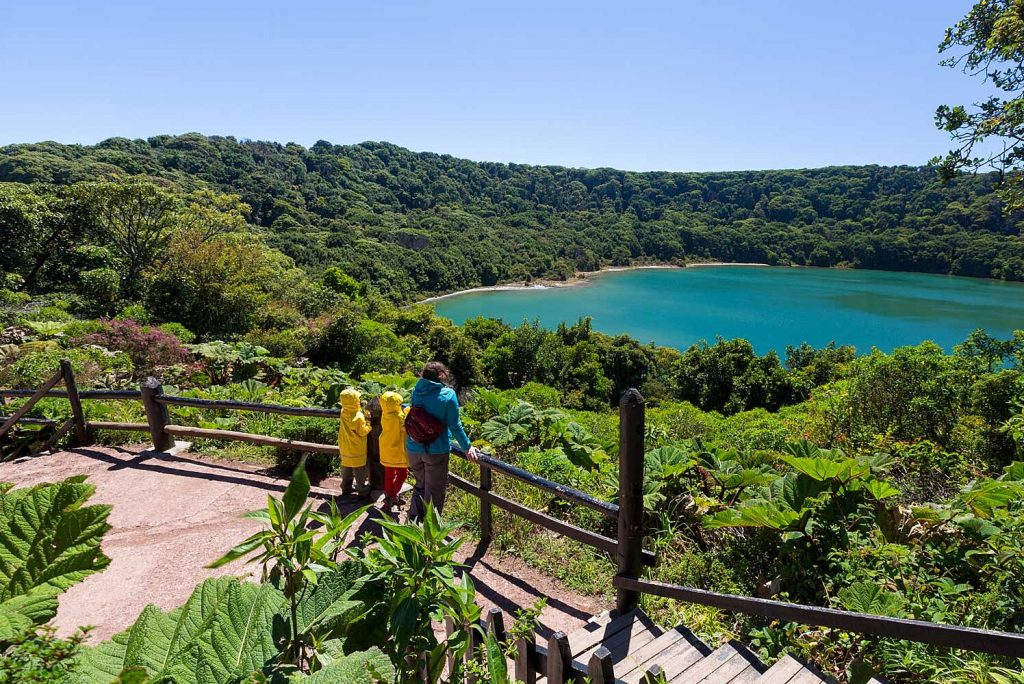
(352, 443)
(392, 447)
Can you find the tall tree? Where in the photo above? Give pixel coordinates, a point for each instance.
(141, 218)
(36, 227)
(988, 43)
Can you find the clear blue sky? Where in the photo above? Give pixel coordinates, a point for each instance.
(684, 85)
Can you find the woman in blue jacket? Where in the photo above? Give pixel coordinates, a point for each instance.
(429, 463)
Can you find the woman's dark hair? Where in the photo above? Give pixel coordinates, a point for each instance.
(436, 371)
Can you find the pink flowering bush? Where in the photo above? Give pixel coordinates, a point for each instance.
(147, 346)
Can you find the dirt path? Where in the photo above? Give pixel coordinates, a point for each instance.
(174, 514)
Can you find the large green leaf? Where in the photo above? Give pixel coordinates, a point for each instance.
(1014, 472)
(823, 469)
(364, 667)
(48, 541)
(297, 492)
(795, 490)
(668, 461)
(329, 605)
(226, 628)
(22, 612)
(507, 427)
(985, 497)
(869, 597)
(756, 513)
(241, 638)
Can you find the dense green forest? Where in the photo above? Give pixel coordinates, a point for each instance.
(410, 222)
(887, 483)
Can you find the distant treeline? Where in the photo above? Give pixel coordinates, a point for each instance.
(409, 222)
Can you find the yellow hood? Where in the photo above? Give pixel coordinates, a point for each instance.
(350, 401)
(390, 403)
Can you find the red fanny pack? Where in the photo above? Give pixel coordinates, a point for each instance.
(422, 427)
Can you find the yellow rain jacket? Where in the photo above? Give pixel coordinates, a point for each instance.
(353, 430)
(392, 431)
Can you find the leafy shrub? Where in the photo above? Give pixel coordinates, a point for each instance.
(78, 329)
(278, 315)
(286, 344)
(541, 396)
(913, 392)
(136, 313)
(92, 367)
(47, 313)
(102, 286)
(39, 656)
(316, 430)
(12, 298)
(179, 331)
(148, 347)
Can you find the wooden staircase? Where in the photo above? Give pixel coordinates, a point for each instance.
(631, 649)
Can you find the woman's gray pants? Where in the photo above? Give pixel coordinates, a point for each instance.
(431, 473)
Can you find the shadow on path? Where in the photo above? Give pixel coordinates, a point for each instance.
(159, 462)
(479, 559)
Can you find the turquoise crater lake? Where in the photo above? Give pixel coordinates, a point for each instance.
(770, 306)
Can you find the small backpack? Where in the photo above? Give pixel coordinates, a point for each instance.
(422, 427)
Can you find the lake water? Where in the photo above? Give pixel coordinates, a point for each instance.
(771, 307)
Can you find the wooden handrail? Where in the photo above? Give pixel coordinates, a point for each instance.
(598, 541)
(265, 440)
(935, 633)
(32, 421)
(228, 404)
(27, 406)
(566, 492)
(102, 395)
(126, 427)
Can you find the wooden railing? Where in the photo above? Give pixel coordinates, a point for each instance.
(627, 548)
(162, 432)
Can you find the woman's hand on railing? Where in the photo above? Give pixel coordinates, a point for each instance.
(473, 454)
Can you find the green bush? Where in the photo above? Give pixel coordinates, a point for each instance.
(179, 331)
(135, 312)
(541, 396)
(316, 430)
(76, 329)
(47, 313)
(102, 286)
(39, 656)
(92, 367)
(12, 298)
(285, 344)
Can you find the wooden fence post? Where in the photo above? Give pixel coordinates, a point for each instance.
(81, 429)
(631, 494)
(485, 506)
(496, 625)
(157, 414)
(373, 445)
(654, 675)
(600, 669)
(526, 656)
(559, 658)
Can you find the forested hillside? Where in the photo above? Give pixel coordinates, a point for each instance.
(884, 483)
(411, 222)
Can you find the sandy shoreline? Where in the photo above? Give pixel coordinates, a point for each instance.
(581, 278)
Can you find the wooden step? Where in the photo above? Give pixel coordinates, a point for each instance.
(599, 629)
(673, 651)
(790, 670)
(638, 632)
(782, 672)
(634, 645)
(729, 663)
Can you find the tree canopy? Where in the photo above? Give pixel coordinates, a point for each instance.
(407, 223)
